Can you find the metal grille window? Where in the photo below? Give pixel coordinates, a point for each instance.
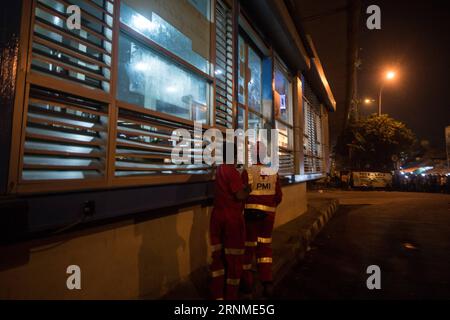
(82, 56)
(224, 65)
(65, 137)
(144, 145)
(312, 139)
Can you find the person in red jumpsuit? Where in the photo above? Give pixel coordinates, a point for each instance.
(259, 211)
(227, 232)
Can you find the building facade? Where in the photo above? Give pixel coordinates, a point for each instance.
(87, 118)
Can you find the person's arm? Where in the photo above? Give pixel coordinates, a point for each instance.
(237, 186)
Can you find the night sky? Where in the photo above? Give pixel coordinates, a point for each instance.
(414, 40)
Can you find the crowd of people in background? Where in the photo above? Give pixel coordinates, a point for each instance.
(408, 182)
(423, 182)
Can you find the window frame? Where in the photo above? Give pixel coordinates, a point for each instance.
(186, 66)
(281, 67)
(249, 43)
(176, 60)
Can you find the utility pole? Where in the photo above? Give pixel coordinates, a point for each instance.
(354, 13)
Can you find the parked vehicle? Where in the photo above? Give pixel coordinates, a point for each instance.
(371, 179)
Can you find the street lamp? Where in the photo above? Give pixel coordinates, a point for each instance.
(388, 77)
(358, 102)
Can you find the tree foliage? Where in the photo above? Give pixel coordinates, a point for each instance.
(371, 143)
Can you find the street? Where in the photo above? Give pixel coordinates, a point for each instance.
(406, 234)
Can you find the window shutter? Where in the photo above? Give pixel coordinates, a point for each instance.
(65, 137)
(224, 65)
(144, 146)
(82, 56)
(286, 166)
(313, 136)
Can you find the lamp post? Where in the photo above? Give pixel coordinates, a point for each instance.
(359, 102)
(389, 76)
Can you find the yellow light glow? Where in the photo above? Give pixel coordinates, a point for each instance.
(367, 101)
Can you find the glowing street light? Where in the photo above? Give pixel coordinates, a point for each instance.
(390, 75)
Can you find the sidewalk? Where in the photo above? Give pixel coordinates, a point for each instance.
(290, 243)
(291, 240)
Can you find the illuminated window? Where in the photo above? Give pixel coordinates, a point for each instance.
(154, 82)
(175, 83)
(255, 114)
(250, 76)
(283, 117)
(241, 118)
(242, 92)
(283, 97)
(255, 121)
(254, 84)
(175, 25)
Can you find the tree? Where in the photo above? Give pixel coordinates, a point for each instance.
(372, 143)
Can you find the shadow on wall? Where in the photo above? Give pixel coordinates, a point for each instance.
(147, 256)
(200, 253)
(173, 253)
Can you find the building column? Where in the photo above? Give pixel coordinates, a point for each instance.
(298, 125)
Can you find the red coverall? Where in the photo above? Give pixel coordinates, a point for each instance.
(265, 196)
(227, 234)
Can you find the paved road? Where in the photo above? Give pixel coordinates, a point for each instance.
(406, 234)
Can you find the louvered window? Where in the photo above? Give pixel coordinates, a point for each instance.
(65, 137)
(144, 145)
(224, 65)
(82, 56)
(312, 140)
(79, 132)
(284, 120)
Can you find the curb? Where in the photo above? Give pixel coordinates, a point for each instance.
(318, 225)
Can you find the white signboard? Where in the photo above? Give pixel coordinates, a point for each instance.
(371, 179)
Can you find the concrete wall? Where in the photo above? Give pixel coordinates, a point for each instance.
(126, 260)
